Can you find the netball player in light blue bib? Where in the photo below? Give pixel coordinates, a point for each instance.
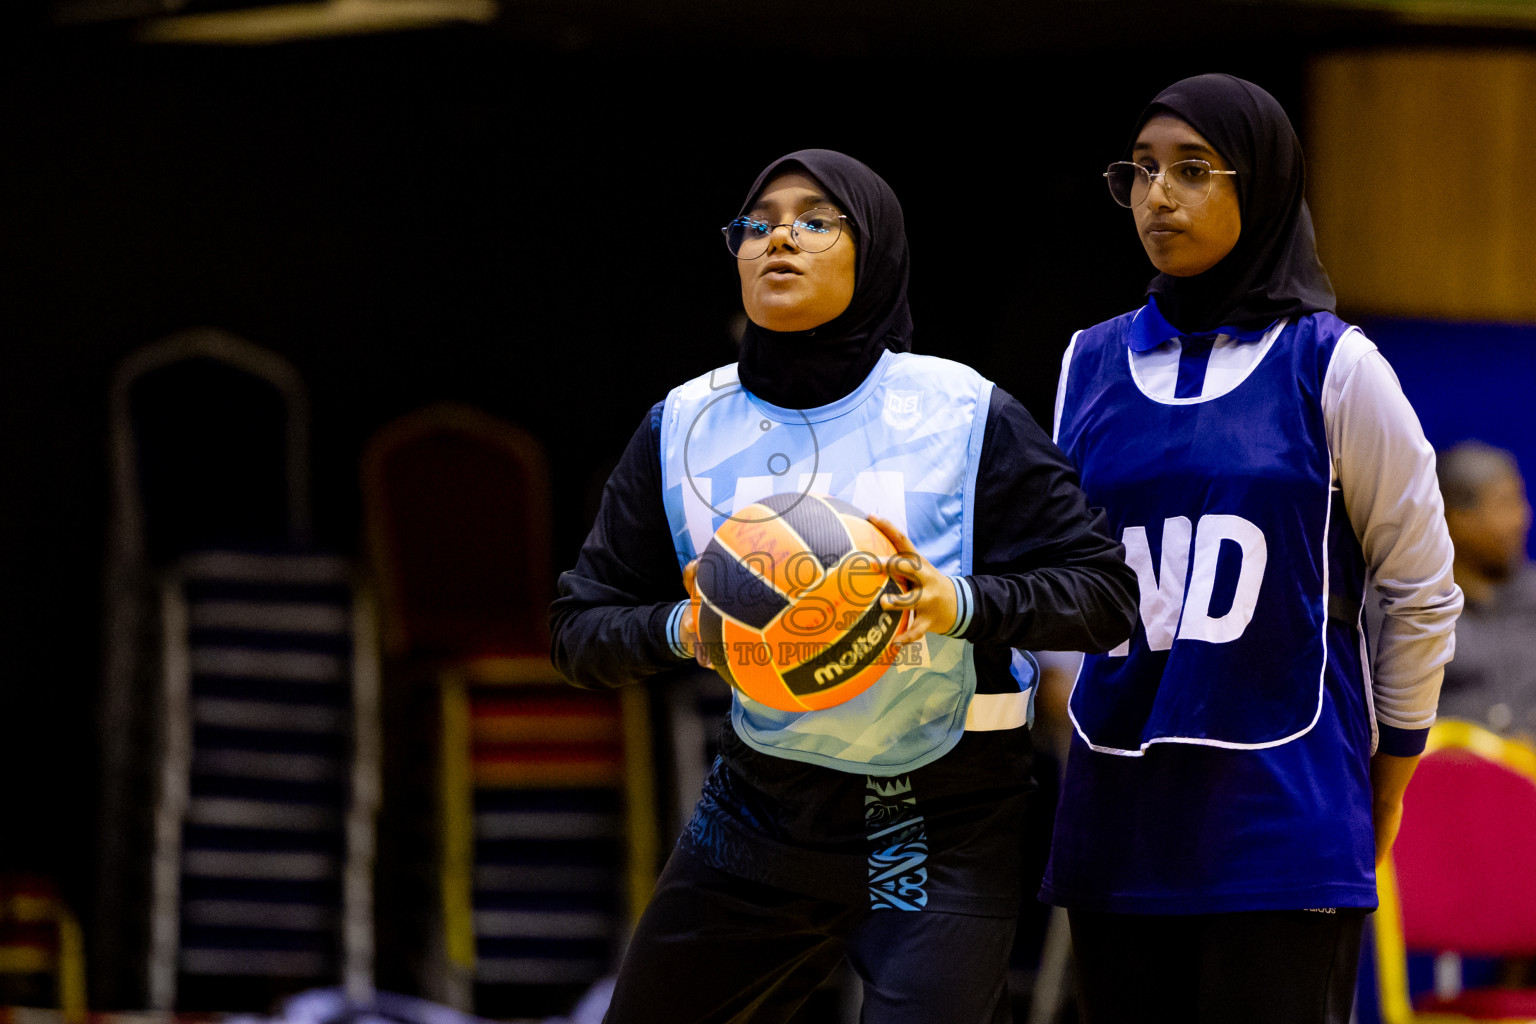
(1237, 768)
(886, 829)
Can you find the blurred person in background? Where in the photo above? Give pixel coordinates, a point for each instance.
(1493, 680)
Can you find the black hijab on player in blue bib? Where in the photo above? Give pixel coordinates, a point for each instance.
(806, 369)
(1273, 271)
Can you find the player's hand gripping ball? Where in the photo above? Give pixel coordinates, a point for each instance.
(789, 607)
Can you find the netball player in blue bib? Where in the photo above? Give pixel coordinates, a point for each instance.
(885, 829)
(1237, 768)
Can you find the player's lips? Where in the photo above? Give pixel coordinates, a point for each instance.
(1161, 229)
(779, 267)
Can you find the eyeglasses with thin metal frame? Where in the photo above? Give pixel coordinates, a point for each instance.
(813, 231)
(1186, 182)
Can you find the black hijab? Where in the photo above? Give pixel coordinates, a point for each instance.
(806, 369)
(1273, 271)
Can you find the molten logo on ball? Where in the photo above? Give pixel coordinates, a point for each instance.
(790, 602)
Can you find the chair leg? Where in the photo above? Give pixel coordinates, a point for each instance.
(72, 998)
(456, 829)
(1051, 979)
(639, 800)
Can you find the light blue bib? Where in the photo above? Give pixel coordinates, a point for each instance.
(904, 446)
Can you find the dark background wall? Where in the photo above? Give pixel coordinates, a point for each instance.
(524, 217)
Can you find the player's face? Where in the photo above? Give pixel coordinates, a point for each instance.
(1184, 240)
(1492, 533)
(786, 289)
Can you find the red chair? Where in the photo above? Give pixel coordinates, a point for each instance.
(458, 521)
(543, 803)
(1461, 880)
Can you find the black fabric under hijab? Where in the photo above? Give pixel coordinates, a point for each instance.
(806, 369)
(1273, 271)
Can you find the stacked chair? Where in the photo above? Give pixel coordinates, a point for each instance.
(1460, 887)
(537, 815)
(240, 713)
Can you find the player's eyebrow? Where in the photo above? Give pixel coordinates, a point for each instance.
(806, 203)
(1182, 147)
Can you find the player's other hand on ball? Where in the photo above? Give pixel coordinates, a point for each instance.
(688, 629)
(929, 596)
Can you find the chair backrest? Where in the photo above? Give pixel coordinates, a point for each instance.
(209, 448)
(458, 515)
(1465, 860)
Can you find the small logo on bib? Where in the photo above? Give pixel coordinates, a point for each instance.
(903, 408)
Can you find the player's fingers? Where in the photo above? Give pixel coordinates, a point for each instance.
(916, 629)
(690, 623)
(907, 566)
(893, 534)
